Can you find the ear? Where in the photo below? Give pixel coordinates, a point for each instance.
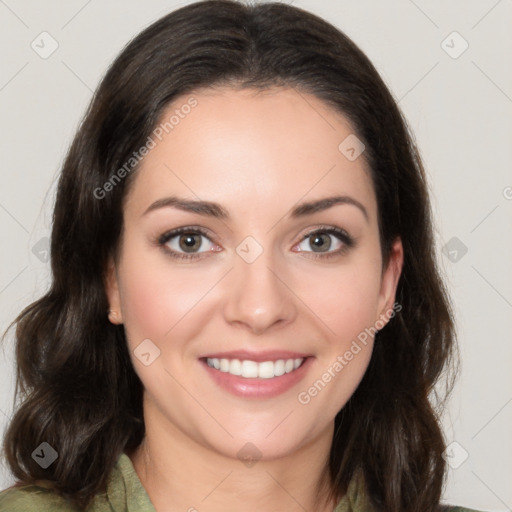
(389, 282)
(115, 314)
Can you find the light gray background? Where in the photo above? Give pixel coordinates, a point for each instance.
(460, 110)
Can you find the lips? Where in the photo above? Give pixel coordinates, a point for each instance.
(261, 375)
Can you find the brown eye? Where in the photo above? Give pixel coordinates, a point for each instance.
(187, 243)
(190, 242)
(326, 242)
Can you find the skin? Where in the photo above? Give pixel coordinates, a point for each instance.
(257, 154)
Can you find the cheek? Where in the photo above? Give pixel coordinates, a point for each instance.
(155, 298)
(347, 306)
(345, 299)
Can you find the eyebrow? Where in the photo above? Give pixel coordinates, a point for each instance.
(210, 209)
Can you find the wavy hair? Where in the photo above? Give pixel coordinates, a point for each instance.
(76, 387)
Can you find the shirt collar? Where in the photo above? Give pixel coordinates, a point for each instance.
(126, 493)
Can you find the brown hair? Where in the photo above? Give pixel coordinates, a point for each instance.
(77, 388)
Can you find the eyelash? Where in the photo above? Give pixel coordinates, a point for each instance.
(348, 241)
(169, 235)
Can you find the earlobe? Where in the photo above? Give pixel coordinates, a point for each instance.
(112, 316)
(114, 312)
(390, 280)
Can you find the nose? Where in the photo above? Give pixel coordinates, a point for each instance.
(258, 297)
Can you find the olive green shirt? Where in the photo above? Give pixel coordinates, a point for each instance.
(125, 493)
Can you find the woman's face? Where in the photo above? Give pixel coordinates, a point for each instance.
(266, 275)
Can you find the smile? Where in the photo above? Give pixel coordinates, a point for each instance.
(252, 369)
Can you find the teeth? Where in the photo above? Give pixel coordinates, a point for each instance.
(252, 369)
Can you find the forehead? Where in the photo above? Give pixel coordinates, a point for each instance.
(246, 147)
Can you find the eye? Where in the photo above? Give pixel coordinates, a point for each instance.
(326, 242)
(186, 243)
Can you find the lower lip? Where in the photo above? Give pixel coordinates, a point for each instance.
(255, 387)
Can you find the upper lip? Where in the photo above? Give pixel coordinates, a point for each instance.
(265, 355)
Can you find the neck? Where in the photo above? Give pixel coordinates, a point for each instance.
(180, 474)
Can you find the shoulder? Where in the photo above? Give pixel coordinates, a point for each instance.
(124, 492)
(357, 500)
(33, 497)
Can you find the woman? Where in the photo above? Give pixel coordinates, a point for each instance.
(245, 311)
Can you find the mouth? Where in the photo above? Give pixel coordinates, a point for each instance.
(249, 369)
(261, 375)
